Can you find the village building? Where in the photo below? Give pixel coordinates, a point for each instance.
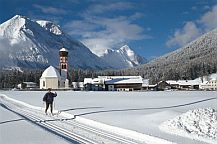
(113, 83)
(145, 84)
(209, 85)
(50, 78)
(95, 84)
(56, 79)
(185, 84)
(27, 85)
(77, 86)
(124, 83)
(162, 85)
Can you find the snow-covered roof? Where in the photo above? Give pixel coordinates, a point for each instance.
(198, 81)
(113, 77)
(94, 80)
(213, 80)
(124, 80)
(145, 82)
(51, 72)
(63, 49)
(114, 80)
(87, 80)
(172, 82)
(29, 83)
(185, 82)
(190, 82)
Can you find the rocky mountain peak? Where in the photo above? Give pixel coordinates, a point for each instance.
(50, 26)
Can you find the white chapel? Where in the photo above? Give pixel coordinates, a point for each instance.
(56, 79)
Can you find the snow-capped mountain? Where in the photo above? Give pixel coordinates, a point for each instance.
(197, 58)
(35, 44)
(122, 58)
(51, 27)
(202, 47)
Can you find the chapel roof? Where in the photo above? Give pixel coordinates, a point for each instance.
(51, 72)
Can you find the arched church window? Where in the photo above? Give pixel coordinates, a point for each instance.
(64, 66)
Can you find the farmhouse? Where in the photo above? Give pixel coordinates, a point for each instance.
(163, 85)
(185, 84)
(123, 83)
(113, 83)
(95, 84)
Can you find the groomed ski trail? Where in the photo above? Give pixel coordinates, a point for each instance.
(68, 128)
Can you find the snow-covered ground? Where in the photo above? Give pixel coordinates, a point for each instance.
(199, 123)
(16, 130)
(142, 112)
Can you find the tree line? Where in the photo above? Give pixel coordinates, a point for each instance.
(154, 71)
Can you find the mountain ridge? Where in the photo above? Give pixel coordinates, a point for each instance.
(32, 45)
(197, 58)
(122, 58)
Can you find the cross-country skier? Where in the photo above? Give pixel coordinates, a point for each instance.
(48, 99)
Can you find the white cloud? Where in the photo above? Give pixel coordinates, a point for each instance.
(50, 10)
(100, 33)
(80, 28)
(193, 29)
(121, 28)
(136, 16)
(101, 27)
(209, 19)
(183, 36)
(99, 45)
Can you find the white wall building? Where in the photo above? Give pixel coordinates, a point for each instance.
(53, 78)
(124, 83)
(209, 85)
(185, 84)
(114, 83)
(50, 78)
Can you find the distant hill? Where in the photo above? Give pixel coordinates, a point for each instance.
(196, 59)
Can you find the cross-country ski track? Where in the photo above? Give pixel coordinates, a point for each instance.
(73, 130)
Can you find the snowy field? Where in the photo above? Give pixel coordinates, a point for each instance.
(153, 113)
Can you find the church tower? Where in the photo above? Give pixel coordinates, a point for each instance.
(63, 53)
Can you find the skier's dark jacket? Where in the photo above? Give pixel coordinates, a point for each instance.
(49, 96)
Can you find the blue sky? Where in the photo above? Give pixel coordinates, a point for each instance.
(150, 27)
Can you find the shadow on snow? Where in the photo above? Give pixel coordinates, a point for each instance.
(148, 108)
(80, 108)
(9, 121)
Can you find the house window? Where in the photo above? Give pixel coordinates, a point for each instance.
(43, 83)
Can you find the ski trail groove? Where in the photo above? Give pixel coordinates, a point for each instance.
(79, 133)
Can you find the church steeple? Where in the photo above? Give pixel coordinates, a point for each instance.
(63, 53)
